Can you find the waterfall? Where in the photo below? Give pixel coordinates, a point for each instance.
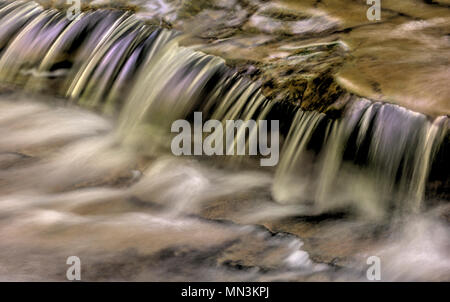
(296, 160)
(376, 156)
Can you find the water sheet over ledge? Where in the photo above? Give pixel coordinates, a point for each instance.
(110, 61)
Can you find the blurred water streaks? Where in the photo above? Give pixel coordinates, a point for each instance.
(358, 176)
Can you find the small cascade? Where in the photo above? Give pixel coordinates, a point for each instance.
(92, 59)
(177, 81)
(242, 101)
(21, 13)
(289, 183)
(169, 87)
(375, 157)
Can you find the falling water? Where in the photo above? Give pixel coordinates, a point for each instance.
(374, 160)
(375, 157)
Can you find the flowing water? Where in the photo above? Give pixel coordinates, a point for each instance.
(86, 168)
